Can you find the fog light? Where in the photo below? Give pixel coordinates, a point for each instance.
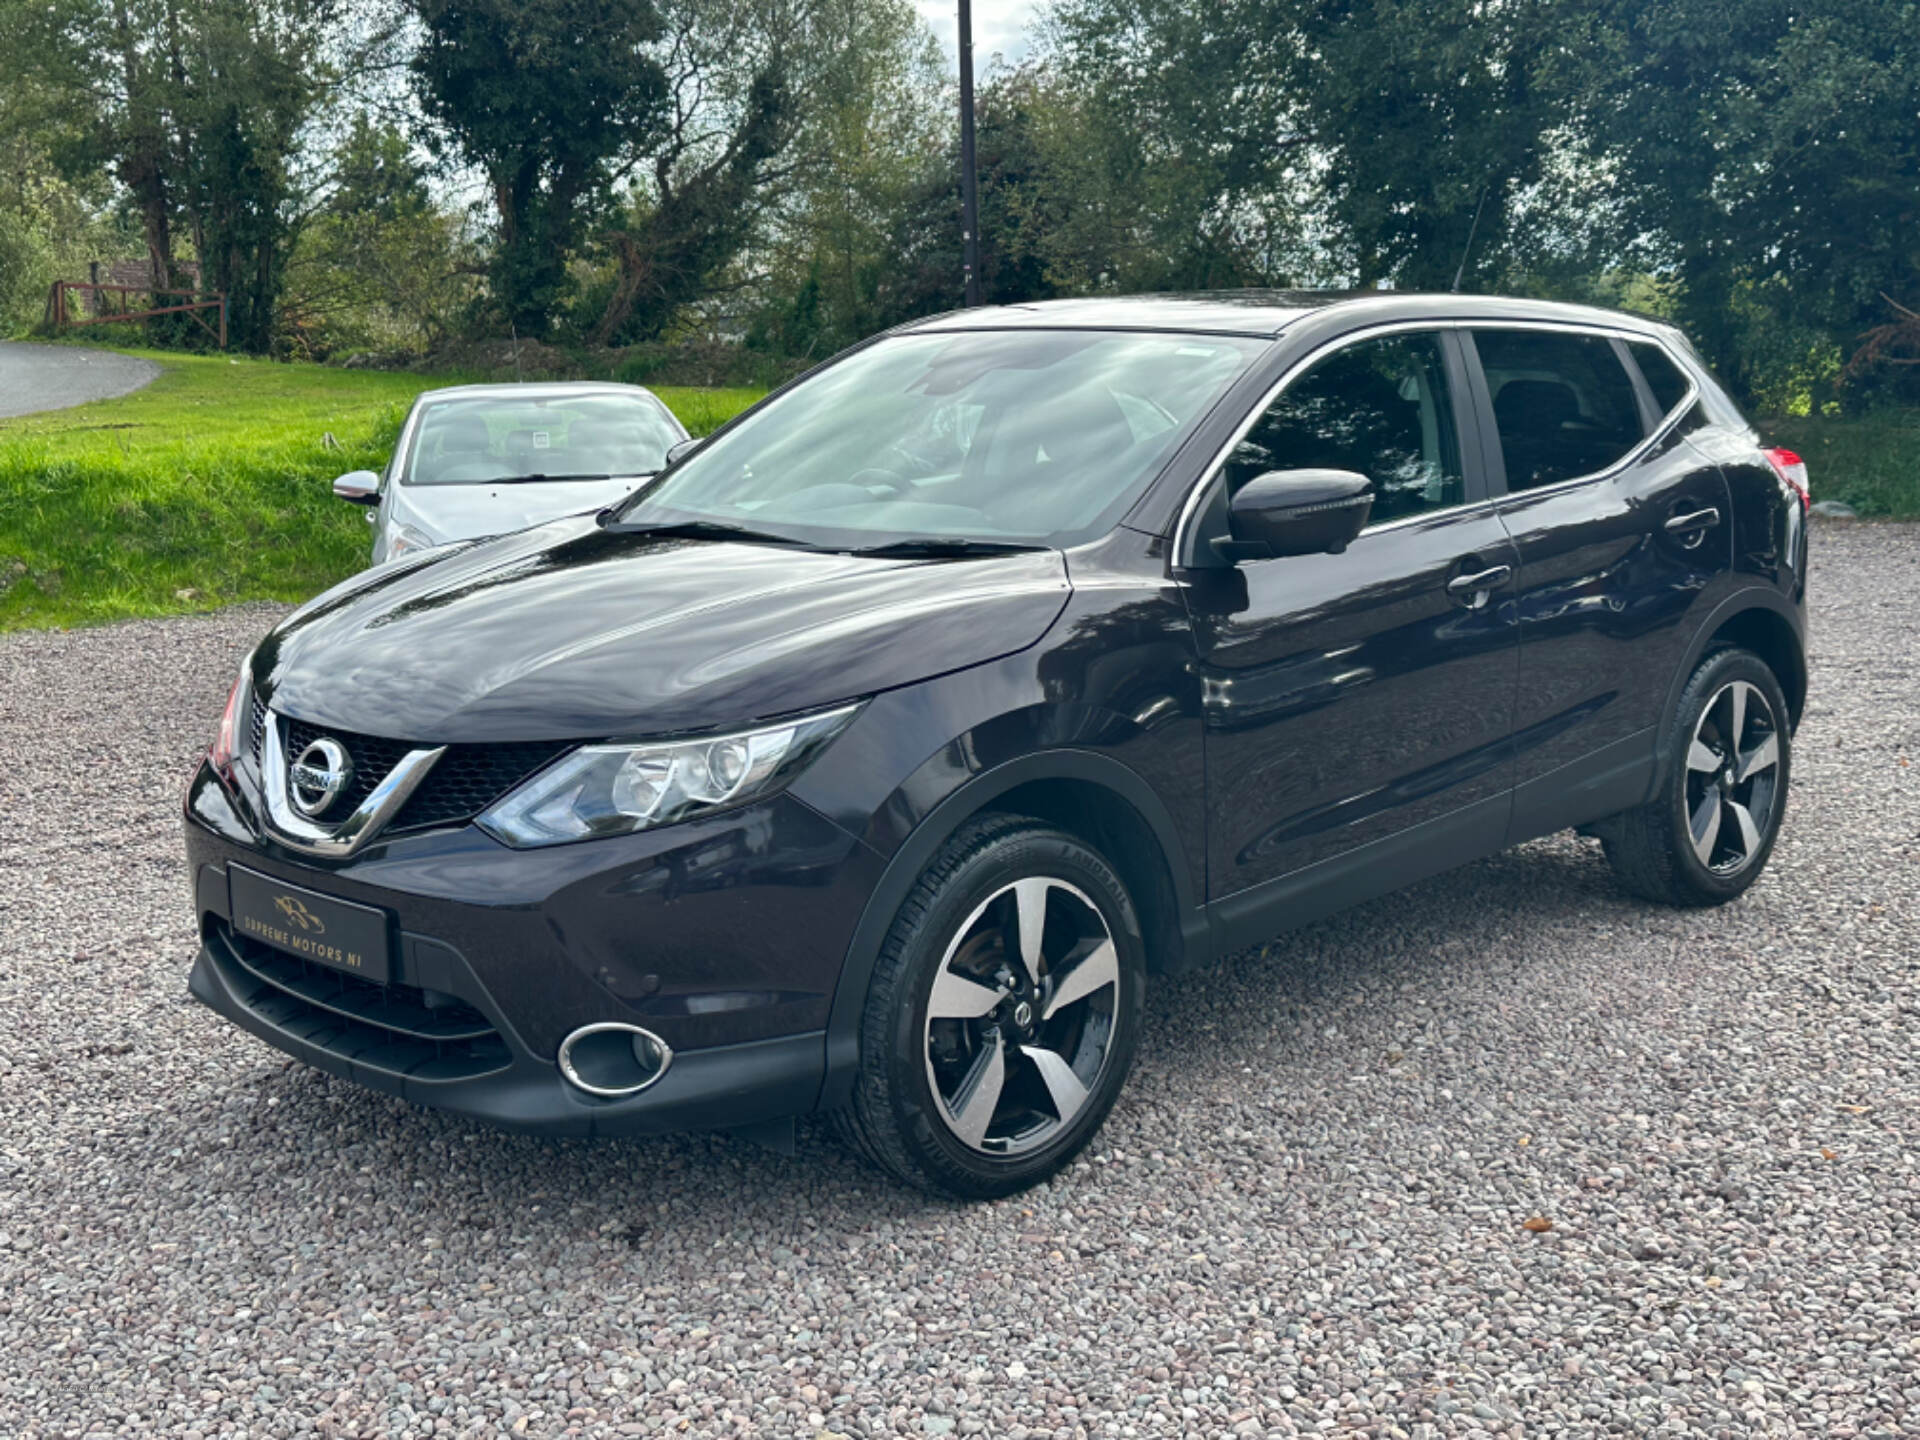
(611, 1060)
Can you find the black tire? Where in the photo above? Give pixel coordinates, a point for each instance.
(899, 1118)
(1652, 849)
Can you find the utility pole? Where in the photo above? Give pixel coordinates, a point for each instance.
(969, 198)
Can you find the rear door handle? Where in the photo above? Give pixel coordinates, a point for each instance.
(1483, 580)
(1694, 520)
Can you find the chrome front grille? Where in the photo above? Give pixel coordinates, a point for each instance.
(461, 785)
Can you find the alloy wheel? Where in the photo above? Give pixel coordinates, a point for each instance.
(1733, 778)
(1021, 1016)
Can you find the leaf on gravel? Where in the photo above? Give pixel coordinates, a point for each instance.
(1539, 1224)
(1826, 1154)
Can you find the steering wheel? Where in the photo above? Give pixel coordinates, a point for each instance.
(876, 478)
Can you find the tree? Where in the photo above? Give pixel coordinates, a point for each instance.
(378, 265)
(1773, 150)
(783, 117)
(1380, 133)
(542, 96)
(247, 81)
(198, 112)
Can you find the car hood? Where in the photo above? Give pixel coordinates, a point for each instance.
(571, 631)
(469, 512)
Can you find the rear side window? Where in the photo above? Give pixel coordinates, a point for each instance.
(1562, 402)
(1666, 380)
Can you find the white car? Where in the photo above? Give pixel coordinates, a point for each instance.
(479, 460)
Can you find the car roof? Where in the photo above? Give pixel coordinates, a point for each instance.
(535, 389)
(1266, 313)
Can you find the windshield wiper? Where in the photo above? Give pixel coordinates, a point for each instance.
(704, 530)
(536, 479)
(941, 547)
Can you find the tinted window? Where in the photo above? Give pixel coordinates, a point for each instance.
(1380, 408)
(1666, 380)
(1021, 435)
(1563, 403)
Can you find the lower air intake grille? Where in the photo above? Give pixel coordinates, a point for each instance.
(399, 1029)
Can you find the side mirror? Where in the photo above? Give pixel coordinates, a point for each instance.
(362, 487)
(682, 448)
(1295, 512)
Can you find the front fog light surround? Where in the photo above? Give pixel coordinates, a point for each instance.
(618, 789)
(611, 1060)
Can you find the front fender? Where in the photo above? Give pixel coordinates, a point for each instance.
(1036, 743)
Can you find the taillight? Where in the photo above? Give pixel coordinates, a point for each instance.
(226, 739)
(1792, 469)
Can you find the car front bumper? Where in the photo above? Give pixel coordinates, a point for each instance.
(725, 939)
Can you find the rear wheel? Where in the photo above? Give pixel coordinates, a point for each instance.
(1706, 837)
(1001, 1019)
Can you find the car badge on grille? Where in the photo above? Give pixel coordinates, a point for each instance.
(318, 776)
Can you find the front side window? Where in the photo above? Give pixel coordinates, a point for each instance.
(1562, 403)
(1006, 436)
(477, 440)
(1379, 408)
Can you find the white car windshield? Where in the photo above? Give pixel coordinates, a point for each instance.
(995, 436)
(479, 439)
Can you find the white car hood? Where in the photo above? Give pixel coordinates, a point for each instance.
(471, 512)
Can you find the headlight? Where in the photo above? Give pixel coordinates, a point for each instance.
(617, 789)
(231, 736)
(405, 540)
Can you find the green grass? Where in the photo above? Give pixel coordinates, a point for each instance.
(209, 487)
(1871, 462)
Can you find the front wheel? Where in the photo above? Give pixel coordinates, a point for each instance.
(1707, 835)
(1001, 1019)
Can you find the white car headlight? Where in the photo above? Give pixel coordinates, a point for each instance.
(406, 539)
(618, 789)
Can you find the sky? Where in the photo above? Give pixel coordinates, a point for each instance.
(997, 25)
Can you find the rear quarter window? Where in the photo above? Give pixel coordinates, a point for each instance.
(1666, 380)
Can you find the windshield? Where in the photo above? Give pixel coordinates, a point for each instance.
(475, 440)
(1027, 436)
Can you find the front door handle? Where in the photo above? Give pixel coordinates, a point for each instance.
(1694, 520)
(1479, 583)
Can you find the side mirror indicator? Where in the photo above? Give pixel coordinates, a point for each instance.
(1295, 512)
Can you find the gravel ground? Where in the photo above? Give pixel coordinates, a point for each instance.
(55, 377)
(1307, 1214)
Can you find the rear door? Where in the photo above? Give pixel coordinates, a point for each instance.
(1354, 698)
(1622, 528)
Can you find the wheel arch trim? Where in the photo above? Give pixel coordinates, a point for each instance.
(940, 823)
(1749, 600)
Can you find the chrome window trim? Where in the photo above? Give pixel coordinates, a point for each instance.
(298, 833)
(1198, 493)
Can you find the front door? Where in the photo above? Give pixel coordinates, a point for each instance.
(1353, 698)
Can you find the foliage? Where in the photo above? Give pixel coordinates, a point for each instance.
(1773, 150)
(49, 224)
(786, 122)
(542, 96)
(1865, 461)
(206, 488)
(379, 267)
(197, 112)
